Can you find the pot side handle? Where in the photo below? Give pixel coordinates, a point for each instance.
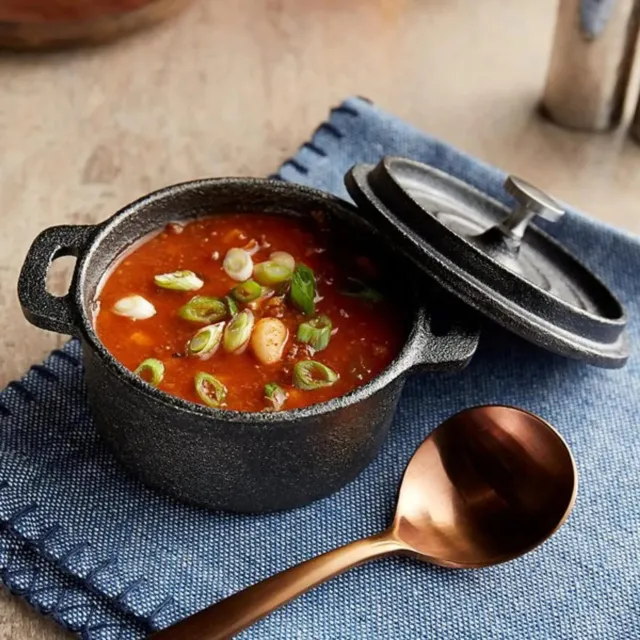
(447, 341)
(39, 307)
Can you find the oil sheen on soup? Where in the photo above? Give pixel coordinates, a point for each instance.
(250, 312)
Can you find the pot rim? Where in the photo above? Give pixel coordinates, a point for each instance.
(404, 361)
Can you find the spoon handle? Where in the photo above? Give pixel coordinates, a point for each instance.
(235, 613)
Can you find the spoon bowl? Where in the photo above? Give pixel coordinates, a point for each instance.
(487, 486)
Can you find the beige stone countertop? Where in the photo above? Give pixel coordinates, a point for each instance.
(232, 88)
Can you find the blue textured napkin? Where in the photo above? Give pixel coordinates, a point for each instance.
(595, 15)
(104, 556)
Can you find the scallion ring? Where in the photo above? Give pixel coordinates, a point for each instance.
(238, 332)
(271, 273)
(232, 305)
(252, 247)
(151, 371)
(283, 258)
(247, 291)
(275, 395)
(203, 309)
(210, 390)
(310, 374)
(358, 289)
(316, 332)
(303, 289)
(238, 265)
(179, 281)
(206, 341)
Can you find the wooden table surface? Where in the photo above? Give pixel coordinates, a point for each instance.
(232, 88)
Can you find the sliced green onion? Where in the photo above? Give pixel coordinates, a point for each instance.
(283, 258)
(210, 390)
(232, 305)
(238, 265)
(246, 291)
(358, 289)
(256, 304)
(151, 371)
(271, 273)
(203, 309)
(134, 307)
(238, 332)
(206, 341)
(316, 332)
(303, 289)
(275, 395)
(179, 281)
(310, 374)
(252, 247)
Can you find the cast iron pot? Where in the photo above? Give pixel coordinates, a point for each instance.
(246, 462)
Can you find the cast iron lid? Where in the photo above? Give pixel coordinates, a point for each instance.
(492, 259)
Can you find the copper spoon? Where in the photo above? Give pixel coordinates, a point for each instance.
(488, 485)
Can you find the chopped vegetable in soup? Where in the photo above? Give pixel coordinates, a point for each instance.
(250, 312)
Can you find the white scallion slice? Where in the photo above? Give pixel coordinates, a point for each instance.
(134, 307)
(275, 396)
(252, 247)
(206, 341)
(283, 258)
(179, 281)
(238, 265)
(238, 332)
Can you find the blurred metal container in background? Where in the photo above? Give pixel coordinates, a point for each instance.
(593, 52)
(635, 125)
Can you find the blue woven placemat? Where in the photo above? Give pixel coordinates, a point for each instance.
(107, 558)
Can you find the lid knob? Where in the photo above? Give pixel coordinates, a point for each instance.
(531, 202)
(521, 278)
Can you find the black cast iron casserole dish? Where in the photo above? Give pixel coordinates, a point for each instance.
(246, 462)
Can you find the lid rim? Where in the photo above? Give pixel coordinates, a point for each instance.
(503, 277)
(606, 343)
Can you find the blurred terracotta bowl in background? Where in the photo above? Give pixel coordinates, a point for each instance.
(42, 24)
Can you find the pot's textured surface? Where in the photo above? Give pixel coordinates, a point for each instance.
(256, 467)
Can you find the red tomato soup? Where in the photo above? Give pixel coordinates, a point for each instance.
(249, 312)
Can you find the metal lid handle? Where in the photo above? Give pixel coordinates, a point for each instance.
(531, 202)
